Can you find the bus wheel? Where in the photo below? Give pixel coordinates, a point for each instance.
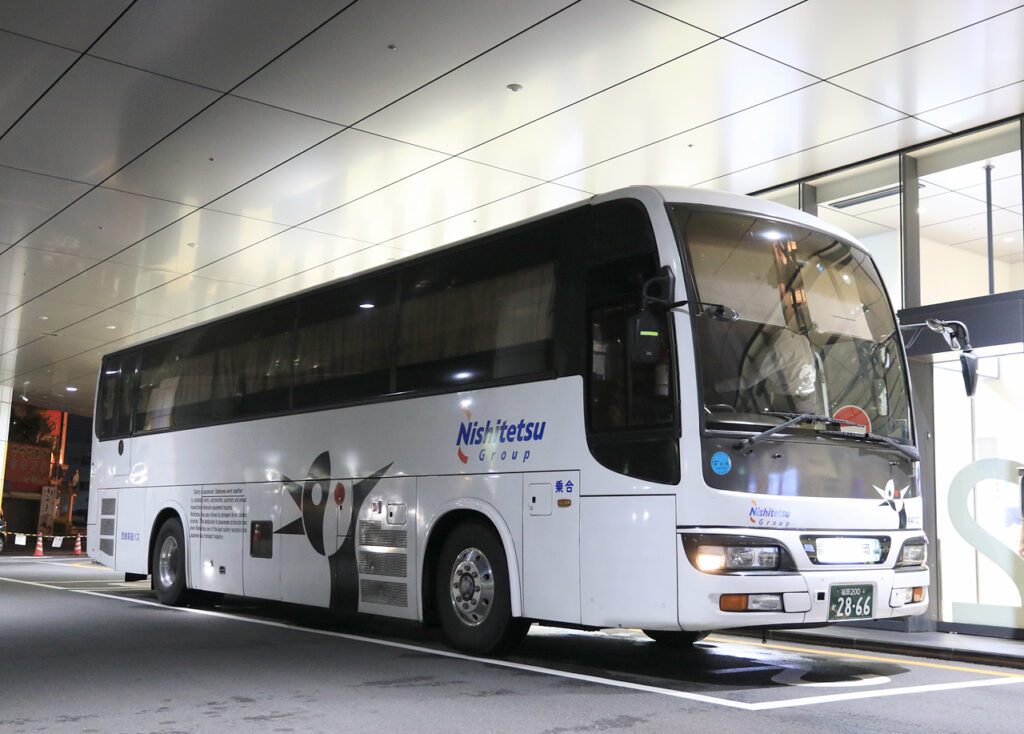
(676, 639)
(169, 564)
(473, 598)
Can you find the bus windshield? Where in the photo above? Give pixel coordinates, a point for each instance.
(787, 321)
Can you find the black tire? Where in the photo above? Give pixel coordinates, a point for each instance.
(675, 639)
(472, 587)
(168, 567)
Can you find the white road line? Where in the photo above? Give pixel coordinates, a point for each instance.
(610, 682)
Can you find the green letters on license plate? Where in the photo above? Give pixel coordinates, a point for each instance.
(850, 601)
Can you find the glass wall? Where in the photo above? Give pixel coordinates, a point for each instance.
(945, 222)
(978, 453)
(964, 185)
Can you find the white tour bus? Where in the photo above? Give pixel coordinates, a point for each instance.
(662, 408)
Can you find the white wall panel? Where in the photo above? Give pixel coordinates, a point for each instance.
(96, 119)
(346, 70)
(345, 167)
(195, 241)
(451, 188)
(580, 52)
(212, 44)
(828, 37)
(29, 199)
(955, 69)
(608, 125)
(102, 223)
(721, 18)
(29, 68)
(208, 158)
(69, 23)
(758, 135)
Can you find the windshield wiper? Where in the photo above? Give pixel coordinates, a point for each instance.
(746, 445)
(909, 451)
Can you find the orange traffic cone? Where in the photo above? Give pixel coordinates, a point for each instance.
(78, 544)
(39, 546)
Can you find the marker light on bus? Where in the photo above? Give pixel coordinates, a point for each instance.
(711, 558)
(913, 553)
(901, 597)
(750, 603)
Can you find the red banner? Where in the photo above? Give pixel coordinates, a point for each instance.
(28, 467)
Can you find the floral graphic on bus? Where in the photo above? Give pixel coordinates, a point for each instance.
(893, 498)
(312, 496)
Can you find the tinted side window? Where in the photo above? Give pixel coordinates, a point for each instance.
(115, 396)
(470, 317)
(343, 348)
(631, 415)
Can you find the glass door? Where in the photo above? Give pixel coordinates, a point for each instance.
(979, 451)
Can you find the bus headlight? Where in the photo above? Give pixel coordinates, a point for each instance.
(913, 553)
(712, 558)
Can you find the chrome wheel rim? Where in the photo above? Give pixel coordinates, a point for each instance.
(472, 587)
(167, 564)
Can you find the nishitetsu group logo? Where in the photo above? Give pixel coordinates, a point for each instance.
(497, 439)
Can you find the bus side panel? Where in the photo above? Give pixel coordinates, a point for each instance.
(551, 546)
(261, 550)
(628, 554)
(386, 548)
(496, 496)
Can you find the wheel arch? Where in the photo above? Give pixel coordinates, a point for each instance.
(165, 514)
(439, 528)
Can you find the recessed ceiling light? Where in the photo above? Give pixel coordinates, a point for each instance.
(44, 318)
(513, 87)
(110, 327)
(190, 244)
(367, 306)
(1007, 239)
(69, 388)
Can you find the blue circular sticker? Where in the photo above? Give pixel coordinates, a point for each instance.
(721, 464)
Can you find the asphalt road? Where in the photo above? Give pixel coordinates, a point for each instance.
(83, 651)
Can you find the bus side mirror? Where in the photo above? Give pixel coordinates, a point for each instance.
(643, 338)
(969, 366)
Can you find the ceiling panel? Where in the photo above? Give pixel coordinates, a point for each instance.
(279, 257)
(29, 199)
(544, 197)
(371, 257)
(108, 284)
(338, 170)
(473, 104)
(783, 126)
(29, 68)
(208, 157)
(195, 241)
(43, 316)
(69, 23)
(374, 53)
(26, 273)
(859, 32)
(606, 125)
(183, 295)
(978, 109)
(1005, 170)
(826, 156)
(451, 188)
(212, 44)
(974, 227)
(118, 113)
(721, 18)
(110, 324)
(954, 68)
(103, 222)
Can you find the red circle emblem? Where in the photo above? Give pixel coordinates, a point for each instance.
(339, 493)
(855, 415)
